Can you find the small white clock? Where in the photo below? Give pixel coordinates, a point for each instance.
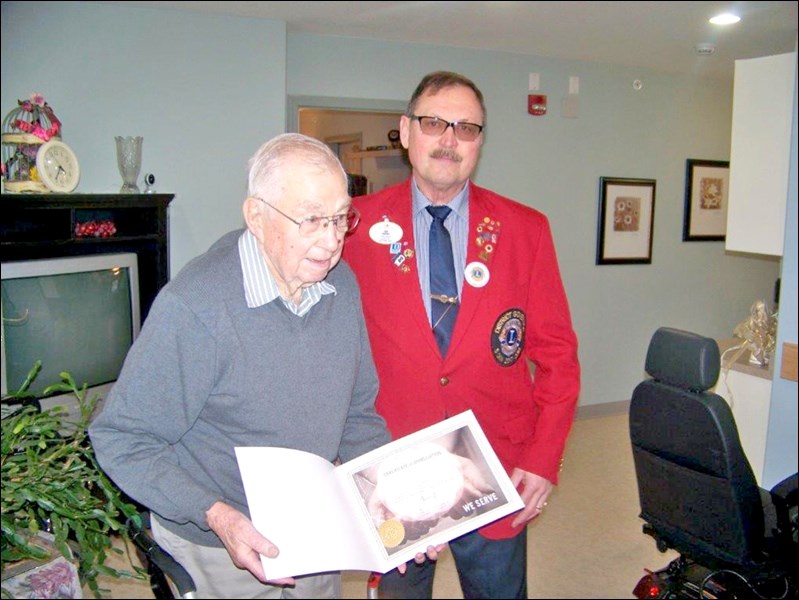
(57, 166)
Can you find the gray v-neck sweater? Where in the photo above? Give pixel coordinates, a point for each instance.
(208, 374)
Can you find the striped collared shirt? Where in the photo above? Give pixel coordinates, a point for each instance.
(457, 223)
(260, 286)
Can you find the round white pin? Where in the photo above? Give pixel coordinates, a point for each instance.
(477, 274)
(385, 232)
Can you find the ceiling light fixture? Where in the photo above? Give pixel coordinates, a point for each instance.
(725, 19)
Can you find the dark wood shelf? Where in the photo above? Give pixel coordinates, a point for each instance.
(43, 226)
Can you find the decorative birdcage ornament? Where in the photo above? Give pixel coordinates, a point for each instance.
(25, 129)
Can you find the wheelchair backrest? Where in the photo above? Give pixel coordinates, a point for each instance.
(695, 485)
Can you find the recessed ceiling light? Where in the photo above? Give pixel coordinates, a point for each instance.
(725, 19)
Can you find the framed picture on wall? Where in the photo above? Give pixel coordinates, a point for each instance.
(626, 221)
(707, 193)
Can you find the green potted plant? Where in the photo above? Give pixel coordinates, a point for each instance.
(51, 483)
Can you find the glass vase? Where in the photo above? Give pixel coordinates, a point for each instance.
(129, 162)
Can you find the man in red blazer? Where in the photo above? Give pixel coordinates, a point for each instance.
(511, 309)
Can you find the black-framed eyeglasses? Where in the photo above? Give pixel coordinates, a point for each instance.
(464, 131)
(308, 226)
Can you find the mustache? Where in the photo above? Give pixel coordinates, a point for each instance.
(444, 153)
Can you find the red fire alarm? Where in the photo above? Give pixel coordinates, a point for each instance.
(537, 104)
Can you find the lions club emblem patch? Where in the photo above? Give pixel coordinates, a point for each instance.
(507, 337)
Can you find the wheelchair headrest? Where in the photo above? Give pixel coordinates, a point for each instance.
(683, 359)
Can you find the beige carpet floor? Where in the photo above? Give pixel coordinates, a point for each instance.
(588, 542)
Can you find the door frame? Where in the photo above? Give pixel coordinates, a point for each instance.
(295, 103)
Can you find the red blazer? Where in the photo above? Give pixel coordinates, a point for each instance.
(521, 313)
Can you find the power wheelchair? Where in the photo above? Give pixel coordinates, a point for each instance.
(168, 578)
(697, 492)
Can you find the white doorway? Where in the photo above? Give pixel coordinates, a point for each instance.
(344, 146)
(358, 131)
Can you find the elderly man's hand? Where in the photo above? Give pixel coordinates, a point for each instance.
(242, 541)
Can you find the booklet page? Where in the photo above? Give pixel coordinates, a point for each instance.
(377, 511)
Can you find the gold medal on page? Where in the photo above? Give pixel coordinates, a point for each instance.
(392, 533)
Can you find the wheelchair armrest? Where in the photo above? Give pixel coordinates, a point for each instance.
(11, 405)
(173, 570)
(784, 496)
(787, 488)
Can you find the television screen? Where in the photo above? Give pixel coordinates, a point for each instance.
(76, 314)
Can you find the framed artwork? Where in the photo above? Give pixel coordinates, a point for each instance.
(707, 193)
(626, 221)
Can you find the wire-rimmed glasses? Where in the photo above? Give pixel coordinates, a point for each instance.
(343, 222)
(464, 131)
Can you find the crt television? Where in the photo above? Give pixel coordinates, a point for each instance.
(78, 314)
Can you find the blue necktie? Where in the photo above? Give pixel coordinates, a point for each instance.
(443, 285)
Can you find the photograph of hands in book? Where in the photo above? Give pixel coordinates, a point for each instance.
(427, 488)
(379, 510)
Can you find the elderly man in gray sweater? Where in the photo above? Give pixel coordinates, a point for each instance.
(260, 341)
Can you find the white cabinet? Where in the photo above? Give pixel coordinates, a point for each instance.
(749, 396)
(762, 112)
(747, 389)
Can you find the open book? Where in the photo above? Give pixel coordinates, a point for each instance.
(379, 510)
